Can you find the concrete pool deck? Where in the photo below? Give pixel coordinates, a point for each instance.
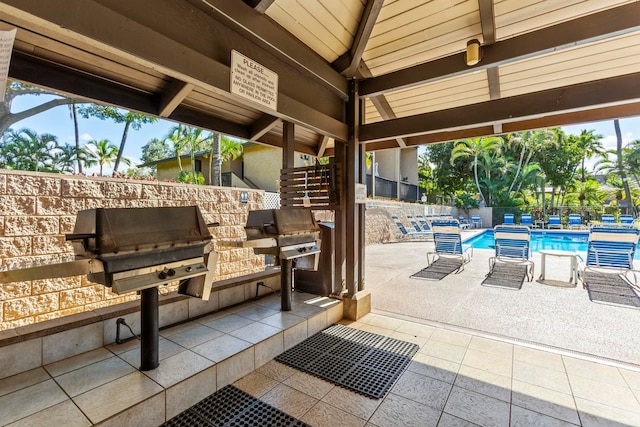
(558, 317)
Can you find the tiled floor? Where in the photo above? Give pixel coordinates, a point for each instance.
(460, 379)
(197, 358)
(456, 379)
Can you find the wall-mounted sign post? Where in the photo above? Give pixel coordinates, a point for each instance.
(253, 81)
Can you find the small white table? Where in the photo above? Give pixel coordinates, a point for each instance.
(563, 254)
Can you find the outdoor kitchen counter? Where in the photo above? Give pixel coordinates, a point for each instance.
(197, 358)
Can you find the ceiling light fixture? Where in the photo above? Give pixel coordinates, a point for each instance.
(474, 52)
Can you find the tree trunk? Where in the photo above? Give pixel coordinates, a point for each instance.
(123, 141)
(217, 160)
(621, 171)
(74, 114)
(475, 174)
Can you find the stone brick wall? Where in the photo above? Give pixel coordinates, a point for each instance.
(37, 210)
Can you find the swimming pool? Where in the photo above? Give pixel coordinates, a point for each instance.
(574, 241)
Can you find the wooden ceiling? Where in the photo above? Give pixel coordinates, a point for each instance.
(545, 63)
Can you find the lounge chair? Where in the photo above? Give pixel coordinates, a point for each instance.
(464, 222)
(476, 221)
(508, 219)
(512, 245)
(448, 243)
(608, 219)
(575, 221)
(526, 220)
(627, 220)
(610, 248)
(414, 224)
(554, 222)
(423, 223)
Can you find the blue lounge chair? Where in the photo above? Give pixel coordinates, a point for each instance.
(610, 248)
(476, 221)
(526, 220)
(448, 243)
(508, 219)
(554, 222)
(575, 221)
(414, 224)
(608, 219)
(512, 245)
(424, 224)
(627, 220)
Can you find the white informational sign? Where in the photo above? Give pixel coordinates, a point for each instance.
(6, 46)
(253, 81)
(361, 193)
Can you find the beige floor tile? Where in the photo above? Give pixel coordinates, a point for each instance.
(398, 411)
(451, 337)
(545, 401)
(477, 408)
(289, 400)
(187, 393)
(229, 322)
(383, 321)
(148, 413)
(448, 420)
(166, 349)
(593, 414)
(23, 380)
(445, 351)
(434, 367)
(283, 320)
(20, 357)
(79, 361)
(543, 377)
(178, 368)
(235, 367)
(325, 415)
(537, 357)
(306, 383)
(255, 332)
(420, 341)
(110, 399)
(495, 347)
(276, 370)
(256, 312)
(72, 342)
(295, 335)
(425, 390)
(488, 362)
(416, 329)
(631, 377)
(189, 335)
(594, 371)
(376, 330)
(605, 393)
(317, 322)
(30, 400)
(94, 375)
(269, 348)
(352, 402)
(521, 417)
(63, 414)
(256, 384)
(222, 347)
(484, 382)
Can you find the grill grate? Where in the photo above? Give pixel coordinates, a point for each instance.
(231, 406)
(358, 360)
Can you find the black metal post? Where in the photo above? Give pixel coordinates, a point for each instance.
(149, 329)
(285, 284)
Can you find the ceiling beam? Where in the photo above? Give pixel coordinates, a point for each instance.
(616, 90)
(173, 95)
(386, 112)
(323, 146)
(43, 73)
(194, 49)
(584, 116)
(487, 21)
(493, 80)
(347, 64)
(260, 6)
(586, 29)
(263, 125)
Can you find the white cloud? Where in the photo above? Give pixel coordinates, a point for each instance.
(85, 137)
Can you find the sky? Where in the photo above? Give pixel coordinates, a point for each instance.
(57, 121)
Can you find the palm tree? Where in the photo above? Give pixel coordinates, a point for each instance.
(24, 149)
(476, 148)
(587, 193)
(591, 144)
(73, 112)
(530, 142)
(621, 172)
(103, 151)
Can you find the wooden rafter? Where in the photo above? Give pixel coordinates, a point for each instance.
(175, 93)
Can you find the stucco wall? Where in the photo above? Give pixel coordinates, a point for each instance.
(39, 209)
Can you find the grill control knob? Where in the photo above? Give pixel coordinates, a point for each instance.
(162, 275)
(171, 272)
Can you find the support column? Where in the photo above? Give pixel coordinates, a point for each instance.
(340, 151)
(288, 139)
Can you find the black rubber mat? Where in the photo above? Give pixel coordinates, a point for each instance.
(505, 275)
(364, 362)
(439, 269)
(231, 406)
(610, 288)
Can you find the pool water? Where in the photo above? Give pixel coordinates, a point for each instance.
(540, 240)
